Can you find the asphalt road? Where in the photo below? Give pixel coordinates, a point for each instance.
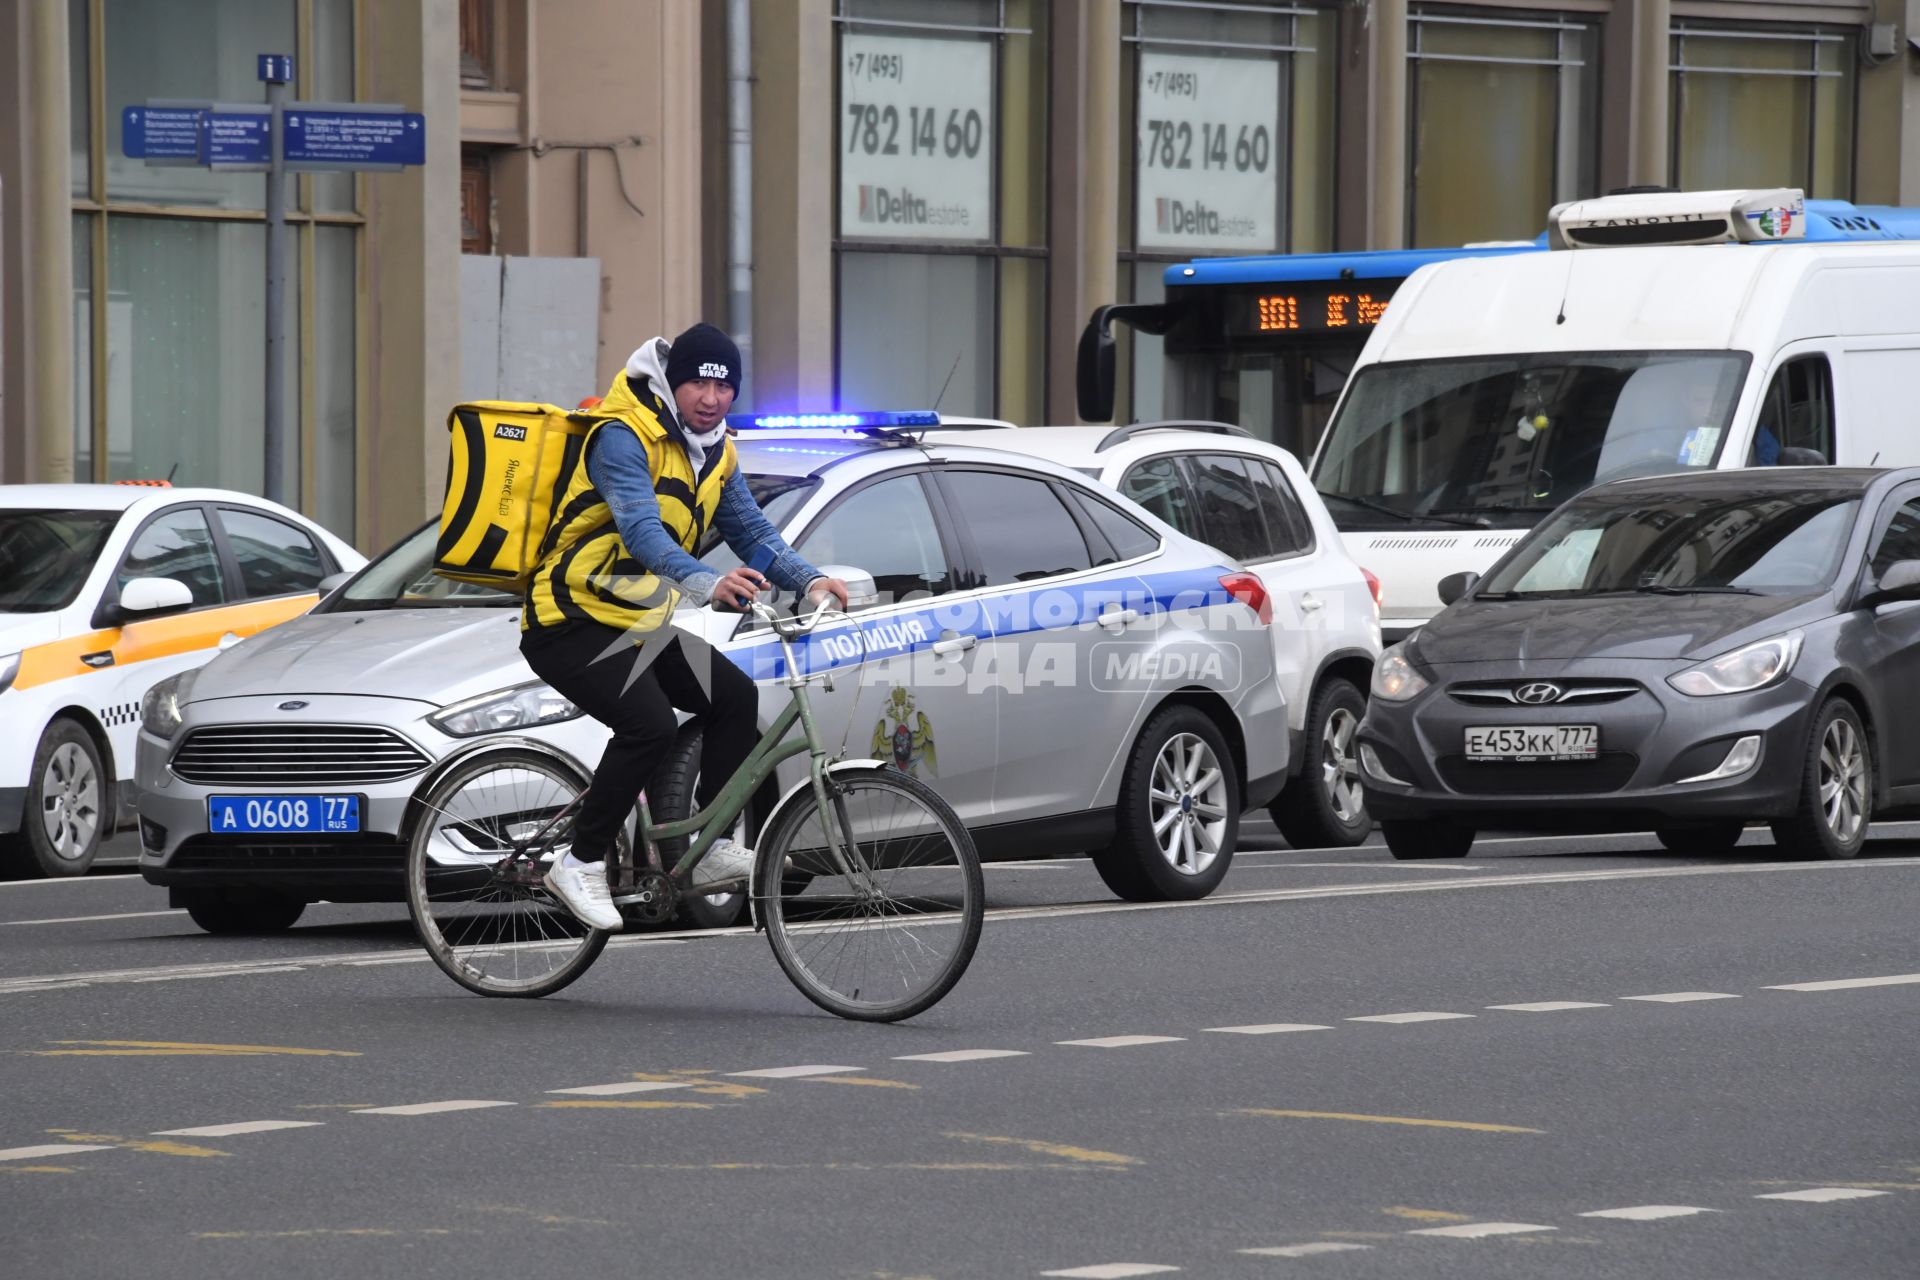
(1567, 1058)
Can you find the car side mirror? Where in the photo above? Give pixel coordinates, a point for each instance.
(861, 591)
(1797, 456)
(332, 583)
(1901, 581)
(154, 595)
(1455, 585)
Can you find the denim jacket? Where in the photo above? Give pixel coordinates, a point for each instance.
(617, 465)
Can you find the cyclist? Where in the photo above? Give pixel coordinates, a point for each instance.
(597, 623)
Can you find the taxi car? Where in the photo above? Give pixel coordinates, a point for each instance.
(1217, 484)
(105, 590)
(1067, 671)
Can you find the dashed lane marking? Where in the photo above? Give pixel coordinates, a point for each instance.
(871, 1082)
(1649, 1212)
(1473, 1125)
(795, 1073)
(1821, 1195)
(1268, 1028)
(625, 1086)
(1397, 1018)
(1683, 997)
(232, 1130)
(1481, 1230)
(1549, 1006)
(963, 1055)
(628, 1104)
(1113, 1271)
(432, 1108)
(1844, 984)
(1305, 1250)
(1062, 1151)
(186, 1047)
(1120, 1042)
(55, 1149)
(1424, 1215)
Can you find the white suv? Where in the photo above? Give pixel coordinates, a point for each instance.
(1252, 500)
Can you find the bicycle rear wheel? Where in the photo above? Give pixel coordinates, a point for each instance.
(482, 913)
(887, 937)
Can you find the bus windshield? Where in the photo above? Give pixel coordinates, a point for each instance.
(1499, 441)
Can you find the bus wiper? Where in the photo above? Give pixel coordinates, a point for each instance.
(1409, 517)
(1663, 589)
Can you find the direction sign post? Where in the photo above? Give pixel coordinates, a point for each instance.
(276, 70)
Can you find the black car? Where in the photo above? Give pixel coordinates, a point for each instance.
(1686, 654)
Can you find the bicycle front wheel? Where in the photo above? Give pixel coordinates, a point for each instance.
(883, 928)
(476, 898)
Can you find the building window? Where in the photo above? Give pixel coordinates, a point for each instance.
(476, 201)
(1756, 108)
(1501, 124)
(940, 239)
(476, 44)
(169, 261)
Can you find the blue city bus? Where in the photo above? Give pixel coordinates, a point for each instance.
(1267, 342)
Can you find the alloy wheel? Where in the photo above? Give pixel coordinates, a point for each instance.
(1340, 767)
(1187, 804)
(70, 802)
(1843, 780)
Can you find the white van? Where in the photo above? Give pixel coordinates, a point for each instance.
(1667, 332)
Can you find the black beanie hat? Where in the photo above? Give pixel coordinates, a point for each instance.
(703, 352)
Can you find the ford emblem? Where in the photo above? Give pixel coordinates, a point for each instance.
(293, 706)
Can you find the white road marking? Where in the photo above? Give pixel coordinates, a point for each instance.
(1268, 1029)
(1480, 1230)
(962, 1055)
(1120, 1042)
(430, 1108)
(232, 971)
(1305, 1250)
(1113, 1271)
(1410, 1017)
(38, 982)
(231, 1130)
(1360, 866)
(1649, 1212)
(40, 1153)
(414, 958)
(625, 1086)
(1683, 997)
(123, 915)
(1821, 1195)
(1843, 984)
(1548, 1006)
(792, 1073)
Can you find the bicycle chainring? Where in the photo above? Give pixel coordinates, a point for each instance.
(651, 900)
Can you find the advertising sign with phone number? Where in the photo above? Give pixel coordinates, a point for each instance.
(1207, 158)
(916, 138)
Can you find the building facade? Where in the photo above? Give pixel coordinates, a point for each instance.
(890, 202)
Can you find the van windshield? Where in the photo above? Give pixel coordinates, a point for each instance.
(1500, 441)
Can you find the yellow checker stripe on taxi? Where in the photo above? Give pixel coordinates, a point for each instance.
(155, 638)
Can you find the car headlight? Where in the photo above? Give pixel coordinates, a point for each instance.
(1750, 667)
(9, 668)
(1394, 677)
(160, 709)
(520, 707)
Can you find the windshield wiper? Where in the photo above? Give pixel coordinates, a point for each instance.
(1662, 589)
(1410, 517)
(1501, 508)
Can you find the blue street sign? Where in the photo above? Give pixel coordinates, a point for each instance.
(160, 133)
(276, 68)
(233, 139)
(354, 139)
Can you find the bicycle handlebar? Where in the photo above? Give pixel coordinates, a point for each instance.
(797, 625)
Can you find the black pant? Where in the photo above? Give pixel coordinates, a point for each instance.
(601, 671)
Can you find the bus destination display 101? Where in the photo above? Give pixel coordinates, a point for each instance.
(1342, 307)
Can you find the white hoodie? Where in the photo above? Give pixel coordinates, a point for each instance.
(649, 361)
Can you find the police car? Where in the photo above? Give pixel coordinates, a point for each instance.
(1218, 484)
(104, 591)
(1069, 672)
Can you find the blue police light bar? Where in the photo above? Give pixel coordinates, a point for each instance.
(843, 421)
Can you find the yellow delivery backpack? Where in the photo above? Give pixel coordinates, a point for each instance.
(509, 471)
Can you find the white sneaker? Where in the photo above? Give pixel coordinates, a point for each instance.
(726, 860)
(582, 889)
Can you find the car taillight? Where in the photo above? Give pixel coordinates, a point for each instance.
(1373, 585)
(1249, 591)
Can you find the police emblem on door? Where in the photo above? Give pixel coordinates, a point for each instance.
(903, 736)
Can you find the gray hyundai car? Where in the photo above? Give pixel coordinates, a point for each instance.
(1682, 654)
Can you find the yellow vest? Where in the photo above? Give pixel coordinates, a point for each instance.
(585, 572)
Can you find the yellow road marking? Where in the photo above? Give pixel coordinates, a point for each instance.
(186, 1047)
(37, 1168)
(695, 1081)
(173, 1149)
(635, 1105)
(1412, 1120)
(866, 1080)
(1085, 1155)
(840, 1166)
(1424, 1215)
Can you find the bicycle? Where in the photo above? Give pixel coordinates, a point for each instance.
(866, 883)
